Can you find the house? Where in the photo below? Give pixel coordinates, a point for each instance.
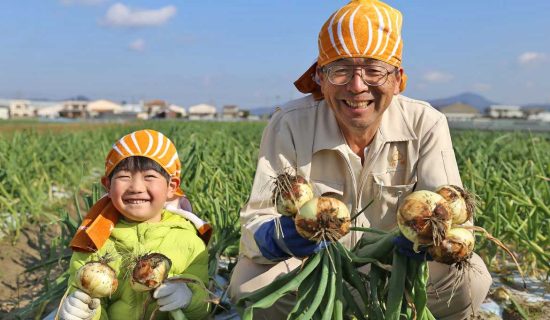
(505, 112)
(74, 109)
(541, 116)
(202, 111)
(21, 109)
(460, 112)
(153, 107)
(102, 108)
(50, 111)
(230, 112)
(4, 112)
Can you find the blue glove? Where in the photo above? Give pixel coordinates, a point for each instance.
(279, 240)
(405, 247)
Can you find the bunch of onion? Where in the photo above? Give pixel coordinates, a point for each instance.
(461, 203)
(323, 283)
(149, 272)
(290, 192)
(424, 218)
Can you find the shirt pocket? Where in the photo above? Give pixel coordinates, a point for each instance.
(386, 201)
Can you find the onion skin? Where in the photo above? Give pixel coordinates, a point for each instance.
(461, 203)
(97, 279)
(456, 248)
(290, 193)
(150, 271)
(323, 218)
(424, 218)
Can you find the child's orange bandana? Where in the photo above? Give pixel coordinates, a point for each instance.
(102, 217)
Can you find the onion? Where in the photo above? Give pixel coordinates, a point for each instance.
(460, 202)
(457, 247)
(97, 279)
(323, 218)
(290, 193)
(424, 218)
(150, 271)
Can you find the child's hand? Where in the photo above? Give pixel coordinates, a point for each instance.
(78, 306)
(172, 296)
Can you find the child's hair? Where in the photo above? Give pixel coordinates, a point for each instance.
(138, 163)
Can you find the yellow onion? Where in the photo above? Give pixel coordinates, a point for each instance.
(323, 218)
(97, 279)
(460, 202)
(457, 247)
(424, 218)
(290, 193)
(150, 271)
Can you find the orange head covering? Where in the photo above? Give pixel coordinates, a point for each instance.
(146, 143)
(360, 29)
(96, 227)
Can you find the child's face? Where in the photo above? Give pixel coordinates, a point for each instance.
(140, 196)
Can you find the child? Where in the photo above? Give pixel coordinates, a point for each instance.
(141, 173)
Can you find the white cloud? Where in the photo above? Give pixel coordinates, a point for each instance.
(437, 77)
(119, 15)
(531, 57)
(137, 45)
(85, 2)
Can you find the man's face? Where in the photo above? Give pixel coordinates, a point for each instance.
(356, 105)
(139, 196)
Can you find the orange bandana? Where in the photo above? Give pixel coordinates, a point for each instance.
(102, 217)
(360, 29)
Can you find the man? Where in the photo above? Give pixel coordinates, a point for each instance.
(356, 138)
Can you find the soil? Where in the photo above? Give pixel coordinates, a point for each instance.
(18, 288)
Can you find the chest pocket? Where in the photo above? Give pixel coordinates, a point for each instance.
(386, 200)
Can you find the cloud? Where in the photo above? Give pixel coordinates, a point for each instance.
(531, 57)
(85, 2)
(437, 77)
(137, 45)
(119, 15)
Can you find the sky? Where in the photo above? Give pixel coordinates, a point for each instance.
(249, 53)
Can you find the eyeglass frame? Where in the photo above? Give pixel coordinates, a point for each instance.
(326, 70)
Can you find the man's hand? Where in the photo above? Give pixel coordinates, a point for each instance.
(405, 247)
(172, 296)
(78, 306)
(278, 240)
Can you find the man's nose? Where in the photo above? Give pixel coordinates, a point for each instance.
(356, 84)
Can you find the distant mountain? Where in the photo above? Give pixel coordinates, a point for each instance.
(475, 100)
(537, 106)
(260, 111)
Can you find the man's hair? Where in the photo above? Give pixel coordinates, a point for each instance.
(138, 163)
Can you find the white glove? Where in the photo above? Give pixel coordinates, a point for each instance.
(172, 296)
(78, 306)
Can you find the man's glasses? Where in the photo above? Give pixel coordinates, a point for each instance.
(372, 75)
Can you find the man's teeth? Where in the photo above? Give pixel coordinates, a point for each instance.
(136, 201)
(358, 104)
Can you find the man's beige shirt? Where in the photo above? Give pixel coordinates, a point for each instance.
(411, 150)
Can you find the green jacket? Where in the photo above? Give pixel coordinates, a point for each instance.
(173, 236)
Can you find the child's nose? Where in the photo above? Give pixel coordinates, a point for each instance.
(137, 185)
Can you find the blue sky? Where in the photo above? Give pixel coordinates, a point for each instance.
(249, 52)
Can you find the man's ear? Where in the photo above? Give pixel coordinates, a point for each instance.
(398, 79)
(106, 182)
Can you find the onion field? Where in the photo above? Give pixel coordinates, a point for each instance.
(48, 174)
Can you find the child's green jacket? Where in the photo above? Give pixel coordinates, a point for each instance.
(176, 238)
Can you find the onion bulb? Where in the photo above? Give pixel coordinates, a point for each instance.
(460, 202)
(424, 218)
(323, 218)
(150, 271)
(290, 193)
(456, 248)
(97, 279)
